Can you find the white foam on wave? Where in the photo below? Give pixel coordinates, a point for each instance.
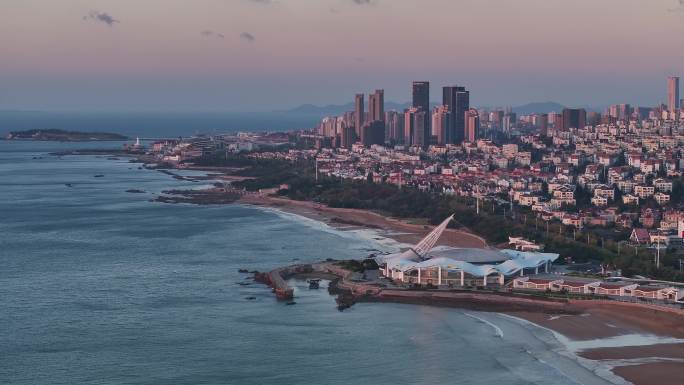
(563, 367)
(603, 368)
(372, 237)
(497, 330)
(608, 342)
(638, 361)
(620, 341)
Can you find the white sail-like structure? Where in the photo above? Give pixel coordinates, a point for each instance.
(427, 243)
(420, 258)
(420, 250)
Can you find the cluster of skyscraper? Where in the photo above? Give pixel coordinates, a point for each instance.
(452, 122)
(670, 111)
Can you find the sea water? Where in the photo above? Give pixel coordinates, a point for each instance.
(99, 285)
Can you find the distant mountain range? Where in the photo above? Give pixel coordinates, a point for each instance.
(338, 109)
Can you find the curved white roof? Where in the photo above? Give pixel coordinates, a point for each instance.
(425, 255)
(471, 255)
(518, 261)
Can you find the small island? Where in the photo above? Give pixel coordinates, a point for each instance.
(57, 135)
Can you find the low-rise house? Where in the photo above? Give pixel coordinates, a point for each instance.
(564, 193)
(658, 237)
(662, 185)
(643, 191)
(624, 221)
(604, 191)
(626, 186)
(528, 199)
(615, 289)
(534, 283)
(655, 292)
(599, 201)
(661, 198)
(630, 199)
(650, 166)
(575, 287)
(640, 236)
(572, 220)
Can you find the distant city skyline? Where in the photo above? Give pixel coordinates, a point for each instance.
(259, 55)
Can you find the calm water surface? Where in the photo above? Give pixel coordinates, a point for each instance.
(102, 286)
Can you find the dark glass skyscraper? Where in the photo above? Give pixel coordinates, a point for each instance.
(421, 101)
(421, 95)
(457, 99)
(574, 118)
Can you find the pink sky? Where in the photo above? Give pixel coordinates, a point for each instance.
(154, 55)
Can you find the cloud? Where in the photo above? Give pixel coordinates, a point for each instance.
(361, 2)
(248, 37)
(101, 17)
(209, 33)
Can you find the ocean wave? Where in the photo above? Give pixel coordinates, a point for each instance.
(372, 238)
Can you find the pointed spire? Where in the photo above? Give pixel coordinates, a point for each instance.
(427, 243)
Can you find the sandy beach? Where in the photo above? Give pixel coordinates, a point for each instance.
(640, 345)
(393, 228)
(614, 340)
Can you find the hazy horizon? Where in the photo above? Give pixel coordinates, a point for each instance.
(270, 55)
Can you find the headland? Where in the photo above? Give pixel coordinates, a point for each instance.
(57, 135)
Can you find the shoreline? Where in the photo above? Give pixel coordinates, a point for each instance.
(616, 342)
(567, 323)
(393, 228)
(341, 218)
(613, 360)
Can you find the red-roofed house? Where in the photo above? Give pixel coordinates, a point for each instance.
(619, 289)
(640, 236)
(534, 283)
(655, 292)
(575, 287)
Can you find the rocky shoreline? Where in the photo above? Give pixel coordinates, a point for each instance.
(200, 197)
(350, 291)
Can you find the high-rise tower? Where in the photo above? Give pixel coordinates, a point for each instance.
(457, 99)
(376, 106)
(416, 127)
(573, 118)
(359, 114)
(421, 95)
(440, 124)
(673, 93)
(472, 125)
